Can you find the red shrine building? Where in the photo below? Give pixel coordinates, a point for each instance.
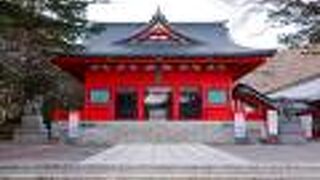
(161, 71)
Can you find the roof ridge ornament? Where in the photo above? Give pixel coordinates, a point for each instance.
(158, 31)
(158, 17)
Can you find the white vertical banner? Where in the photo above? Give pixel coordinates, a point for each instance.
(239, 125)
(73, 124)
(263, 130)
(306, 122)
(273, 122)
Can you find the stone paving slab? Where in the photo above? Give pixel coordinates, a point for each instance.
(279, 153)
(180, 155)
(60, 154)
(11, 154)
(73, 171)
(160, 161)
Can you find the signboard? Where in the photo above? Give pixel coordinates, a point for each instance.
(73, 124)
(239, 126)
(272, 120)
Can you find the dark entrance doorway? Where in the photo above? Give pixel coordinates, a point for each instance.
(190, 103)
(126, 104)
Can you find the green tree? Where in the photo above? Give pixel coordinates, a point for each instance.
(31, 33)
(302, 14)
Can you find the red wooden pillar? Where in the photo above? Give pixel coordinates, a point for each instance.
(141, 103)
(231, 102)
(204, 103)
(113, 103)
(236, 106)
(175, 103)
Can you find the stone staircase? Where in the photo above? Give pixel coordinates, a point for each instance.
(156, 131)
(92, 172)
(31, 130)
(291, 131)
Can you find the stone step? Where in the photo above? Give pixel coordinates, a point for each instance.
(63, 171)
(123, 132)
(162, 131)
(30, 136)
(291, 132)
(292, 139)
(290, 128)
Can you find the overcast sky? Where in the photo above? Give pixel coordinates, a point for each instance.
(246, 19)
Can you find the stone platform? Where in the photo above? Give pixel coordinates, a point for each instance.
(32, 130)
(101, 172)
(161, 132)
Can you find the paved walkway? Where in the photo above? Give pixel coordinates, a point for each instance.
(180, 155)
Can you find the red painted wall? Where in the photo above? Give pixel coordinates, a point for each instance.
(232, 69)
(141, 79)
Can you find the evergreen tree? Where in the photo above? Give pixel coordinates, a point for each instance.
(303, 14)
(31, 33)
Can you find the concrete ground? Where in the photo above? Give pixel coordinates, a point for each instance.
(161, 154)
